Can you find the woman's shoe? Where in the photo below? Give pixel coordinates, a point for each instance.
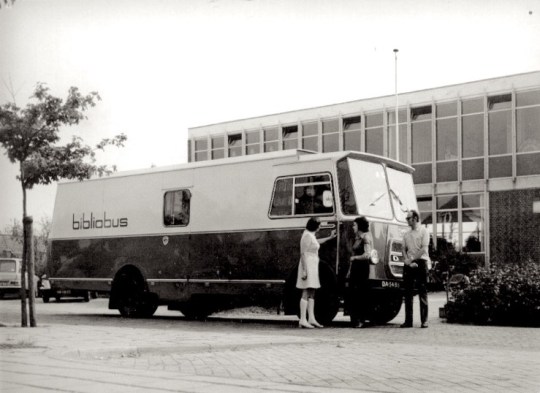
(305, 325)
(316, 324)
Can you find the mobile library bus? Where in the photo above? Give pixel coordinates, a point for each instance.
(207, 236)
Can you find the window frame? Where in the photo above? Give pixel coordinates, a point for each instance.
(185, 193)
(293, 197)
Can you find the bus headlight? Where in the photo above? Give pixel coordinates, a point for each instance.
(374, 257)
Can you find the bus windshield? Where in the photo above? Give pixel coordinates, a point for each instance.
(364, 190)
(401, 192)
(370, 189)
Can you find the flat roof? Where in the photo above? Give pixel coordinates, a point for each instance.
(418, 97)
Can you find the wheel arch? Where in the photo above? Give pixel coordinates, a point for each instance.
(124, 273)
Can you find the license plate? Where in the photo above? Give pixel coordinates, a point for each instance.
(390, 284)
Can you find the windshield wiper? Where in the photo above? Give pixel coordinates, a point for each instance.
(377, 199)
(396, 196)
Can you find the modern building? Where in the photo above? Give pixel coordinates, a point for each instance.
(475, 148)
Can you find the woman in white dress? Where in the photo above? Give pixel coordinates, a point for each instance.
(308, 273)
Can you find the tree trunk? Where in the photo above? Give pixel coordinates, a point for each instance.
(30, 257)
(24, 311)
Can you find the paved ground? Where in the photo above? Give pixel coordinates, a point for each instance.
(83, 347)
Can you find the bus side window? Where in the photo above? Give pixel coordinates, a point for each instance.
(302, 196)
(282, 198)
(176, 208)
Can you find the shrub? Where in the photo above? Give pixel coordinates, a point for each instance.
(501, 295)
(446, 261)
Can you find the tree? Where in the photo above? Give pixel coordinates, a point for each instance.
(30, 137)
(6, 2)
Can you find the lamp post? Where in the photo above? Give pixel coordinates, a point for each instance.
(396, 119)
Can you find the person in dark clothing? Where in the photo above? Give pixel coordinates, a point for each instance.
(358, 274)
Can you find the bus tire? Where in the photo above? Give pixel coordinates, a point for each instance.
(134, 300)
(194, 311)
(384, 307)
(326, 297)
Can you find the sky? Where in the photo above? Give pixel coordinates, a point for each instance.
(163, 66)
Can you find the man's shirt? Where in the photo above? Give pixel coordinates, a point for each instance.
(415, 240)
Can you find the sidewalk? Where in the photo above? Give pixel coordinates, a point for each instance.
(172, 355)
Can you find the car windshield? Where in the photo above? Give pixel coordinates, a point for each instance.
(8, 266)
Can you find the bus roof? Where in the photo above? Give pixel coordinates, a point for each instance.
(295, 155)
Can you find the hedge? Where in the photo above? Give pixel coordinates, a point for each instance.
(502, 295)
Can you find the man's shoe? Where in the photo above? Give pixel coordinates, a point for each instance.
(424, 325)
(406, 325)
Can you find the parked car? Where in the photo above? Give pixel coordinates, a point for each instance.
(48, 292)
(10, 277)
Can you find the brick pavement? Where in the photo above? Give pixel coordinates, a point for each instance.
(281, 358)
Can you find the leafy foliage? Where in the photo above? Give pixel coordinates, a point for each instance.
(501, 295)
(30, 136)
(446, 262)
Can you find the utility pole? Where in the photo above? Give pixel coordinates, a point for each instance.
(396, 119)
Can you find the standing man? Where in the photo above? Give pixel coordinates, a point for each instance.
(416, 268)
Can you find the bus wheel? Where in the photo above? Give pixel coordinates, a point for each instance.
(194, 311)
(134, 301)
(326, 297)
(385, 307)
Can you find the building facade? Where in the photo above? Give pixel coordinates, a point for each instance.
(475, 148)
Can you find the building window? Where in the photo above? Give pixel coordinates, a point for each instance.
(446, 132)
(218, 147)
(472, 131)
(310, 136)
(472, 140)
(503, 101)
(476, 105)
(421, 134)
(528, 129)
(402, 129)
(425, 209)
(176, 208)
(330, 135)
(253, 139)
(235, 145)
(528, 132)
(290, 137)
(447, 222)
(500, 132)
(472, 223)
(270, 139)
(352, 133)
(201, 149)
(421, 113)
(374, 134)
(500, 135)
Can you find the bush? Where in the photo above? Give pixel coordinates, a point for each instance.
(501, 295)
(446, 262)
